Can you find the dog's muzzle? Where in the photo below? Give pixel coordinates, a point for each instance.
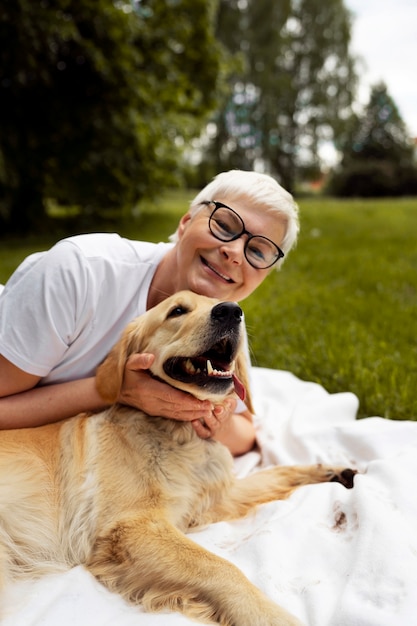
(213, 367)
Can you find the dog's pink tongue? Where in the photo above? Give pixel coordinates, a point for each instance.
(239, 387)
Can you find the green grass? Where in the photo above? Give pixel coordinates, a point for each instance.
(342, 311)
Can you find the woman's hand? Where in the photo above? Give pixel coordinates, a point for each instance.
(217, 419)
(155, 397)
(234, 430)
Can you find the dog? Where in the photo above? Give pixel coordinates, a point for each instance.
(118, 490)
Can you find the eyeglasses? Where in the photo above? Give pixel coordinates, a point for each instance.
(227, 225)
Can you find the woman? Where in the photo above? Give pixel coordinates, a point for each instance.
(62, 310)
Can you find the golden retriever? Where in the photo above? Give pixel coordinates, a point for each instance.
(118, 490)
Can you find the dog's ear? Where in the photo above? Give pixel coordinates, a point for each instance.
(242, 373)
(109, 375)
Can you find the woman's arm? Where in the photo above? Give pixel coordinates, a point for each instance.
(238, 433)
(23, 404)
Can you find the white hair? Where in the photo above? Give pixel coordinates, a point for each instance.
(262, 191)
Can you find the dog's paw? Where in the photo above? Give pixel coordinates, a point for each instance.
(344, 477)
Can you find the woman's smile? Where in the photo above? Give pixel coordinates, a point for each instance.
(216, 271)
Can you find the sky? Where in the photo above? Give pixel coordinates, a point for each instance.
(384, 34)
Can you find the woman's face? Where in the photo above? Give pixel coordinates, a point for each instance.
(216, 268)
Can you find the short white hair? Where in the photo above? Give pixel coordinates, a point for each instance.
(263, 191)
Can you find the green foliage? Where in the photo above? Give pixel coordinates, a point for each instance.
(341, 312)
(295, 87)
(98, 95)
(380, 133)
(378, 156)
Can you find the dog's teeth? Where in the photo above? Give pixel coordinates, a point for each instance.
(211, 371)
(189, 366)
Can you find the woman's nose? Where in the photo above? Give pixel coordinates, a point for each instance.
(234, 250)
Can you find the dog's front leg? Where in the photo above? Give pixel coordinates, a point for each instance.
(148, 560)
(276, 483)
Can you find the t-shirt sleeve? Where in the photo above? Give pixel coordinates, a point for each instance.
(42, 307)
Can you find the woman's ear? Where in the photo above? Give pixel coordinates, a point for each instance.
(110, 374)
(183, 223)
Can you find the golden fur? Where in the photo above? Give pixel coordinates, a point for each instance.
(116, 491)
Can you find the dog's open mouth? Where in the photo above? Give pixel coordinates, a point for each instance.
(213, 370)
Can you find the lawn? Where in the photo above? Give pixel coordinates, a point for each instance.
(341, 312)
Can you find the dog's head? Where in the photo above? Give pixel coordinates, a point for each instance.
(197, 343)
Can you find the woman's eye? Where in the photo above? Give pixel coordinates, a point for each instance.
(256, 252)
(224, 227)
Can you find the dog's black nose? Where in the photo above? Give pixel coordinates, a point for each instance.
(229, 312)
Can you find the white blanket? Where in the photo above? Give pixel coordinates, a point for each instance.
(334, 557)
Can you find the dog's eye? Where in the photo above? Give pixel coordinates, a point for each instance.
(177, 311)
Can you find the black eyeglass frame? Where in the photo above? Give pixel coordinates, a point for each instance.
(220, 205)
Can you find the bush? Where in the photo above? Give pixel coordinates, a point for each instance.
(373, 178)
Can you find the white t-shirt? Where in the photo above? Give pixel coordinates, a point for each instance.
(63, 310)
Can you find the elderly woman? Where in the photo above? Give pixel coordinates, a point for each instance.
(62, 310)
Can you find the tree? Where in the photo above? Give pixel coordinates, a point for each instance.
(97, 95)
(296, 86)
(377, 153)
